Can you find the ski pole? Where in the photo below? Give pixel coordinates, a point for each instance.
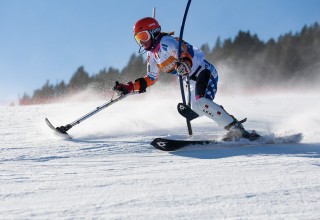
(98, 109)
(64, 129)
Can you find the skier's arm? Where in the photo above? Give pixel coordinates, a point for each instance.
(184, 64)
(141, 84)
(186, 58)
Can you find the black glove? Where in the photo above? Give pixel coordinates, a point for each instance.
(182, 68)
(123, 89)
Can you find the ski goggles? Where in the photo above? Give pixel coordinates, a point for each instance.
(142, 37)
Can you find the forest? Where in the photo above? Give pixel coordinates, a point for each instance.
(292, 58)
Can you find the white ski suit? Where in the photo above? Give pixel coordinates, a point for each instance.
(203, 76)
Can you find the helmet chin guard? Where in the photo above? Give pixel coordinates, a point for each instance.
(142, 50)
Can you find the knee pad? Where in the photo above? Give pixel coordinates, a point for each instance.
(206, 107)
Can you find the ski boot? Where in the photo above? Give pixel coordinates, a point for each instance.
(237, 131)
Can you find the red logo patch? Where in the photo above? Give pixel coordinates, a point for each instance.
(206, 106)
(218, 113)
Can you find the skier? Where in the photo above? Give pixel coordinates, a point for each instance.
(162, 49)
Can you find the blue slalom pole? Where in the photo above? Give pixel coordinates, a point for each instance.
(179, 57)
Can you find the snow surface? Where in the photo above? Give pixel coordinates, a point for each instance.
(110, 171)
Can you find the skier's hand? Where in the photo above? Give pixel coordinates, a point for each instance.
(123, 89)
(182, 68)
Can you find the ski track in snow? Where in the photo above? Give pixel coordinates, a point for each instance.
(110, 171)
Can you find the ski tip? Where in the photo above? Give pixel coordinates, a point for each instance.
(62, 134)
(49, 123)
(160, 144)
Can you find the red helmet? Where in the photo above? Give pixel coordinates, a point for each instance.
(146, 32)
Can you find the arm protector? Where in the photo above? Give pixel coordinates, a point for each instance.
(141, 84)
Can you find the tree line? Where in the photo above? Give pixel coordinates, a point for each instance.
(291, 57)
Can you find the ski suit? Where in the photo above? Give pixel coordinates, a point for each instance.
(164, 57)
(203, 76)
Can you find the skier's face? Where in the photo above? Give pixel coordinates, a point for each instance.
(143, 38)
(146, 45)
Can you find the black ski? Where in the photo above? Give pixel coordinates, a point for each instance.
(172, 145)
(58, 130)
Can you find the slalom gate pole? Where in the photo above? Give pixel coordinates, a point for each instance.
(154, 12)
(179, 57)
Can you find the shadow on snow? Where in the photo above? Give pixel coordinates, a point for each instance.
(218, 152)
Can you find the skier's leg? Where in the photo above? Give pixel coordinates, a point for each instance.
(222, 118)
(213, 111)
(206, 88)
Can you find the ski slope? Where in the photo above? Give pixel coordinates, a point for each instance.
(110, 171)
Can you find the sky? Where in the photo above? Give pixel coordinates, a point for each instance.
(44, 40)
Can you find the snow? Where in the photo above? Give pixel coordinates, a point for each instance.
(110, 171)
